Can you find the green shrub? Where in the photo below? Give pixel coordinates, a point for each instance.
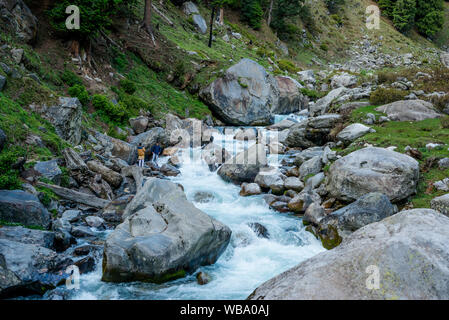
(312, 94)
(70, 78)
(287, 65)
(134, 104)
(80, 92)
(384, 96)
(128, 86)
(115, 112)
(9, 178)
(324, 47)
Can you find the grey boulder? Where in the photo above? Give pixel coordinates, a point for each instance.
(409, 251)
(163, 237)
(49, 170)
(409, 110)
(24, 208)
(373, 170)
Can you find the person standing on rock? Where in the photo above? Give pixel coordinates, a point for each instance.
(141, 155)
(156, 150)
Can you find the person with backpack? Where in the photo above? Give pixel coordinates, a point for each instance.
(141, 155)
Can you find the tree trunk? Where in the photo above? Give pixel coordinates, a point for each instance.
(211, 26)
(270, 10)
(147, 19)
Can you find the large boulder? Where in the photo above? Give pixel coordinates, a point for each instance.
(149, 138)
(290, 98)
(163, 237)
(18, 19)
(373, 170)
(66, 117)
(408, 251)
(248, 95)
(199, 23)
(139, 124)
(21, 207)
(243, 96)
(343, 80)
(49, 170)
(313, 131)
(118, 148)
(409, 110)
(27, 268)
(245, 166)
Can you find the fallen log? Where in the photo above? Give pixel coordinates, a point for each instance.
(75, 196)
(163, 16)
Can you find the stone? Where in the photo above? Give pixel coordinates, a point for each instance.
(353, 132)
(373, 170)
(323, 104)
(45, 239)
(139, 124)
(248, 95)
(2, 82)
(307, 76)
(189, 8)
(199, 23)
(24, 208)
(441, 204)
(66, 117)
(310, 167)
(94, 221)
(303, 200)
(118, 148)
(343, 80)
(270, 178)
(293, 183)
(409, 250)
(442, 185)
(49, 170)
(71, 215)
(409, 110)
(18, 19)
(314, 214)
(82, 232)
(245, 166)
(203, 278)
(203, 197)
(248, 134)
(250, 189)
(442, 164)
(370, 208)
(163, 237)
(259, 230)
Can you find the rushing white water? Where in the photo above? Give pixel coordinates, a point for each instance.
(247, 262)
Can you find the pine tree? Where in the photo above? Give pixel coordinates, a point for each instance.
(429, 16)
(404, 15)
(252, 13)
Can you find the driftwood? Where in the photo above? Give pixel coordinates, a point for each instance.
(76, 196)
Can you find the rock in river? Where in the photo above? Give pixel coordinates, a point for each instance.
(163, 237)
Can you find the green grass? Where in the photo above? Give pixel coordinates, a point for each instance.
(161, 96)
(415, 135)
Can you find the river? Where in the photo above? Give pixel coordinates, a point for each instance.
(247, 262)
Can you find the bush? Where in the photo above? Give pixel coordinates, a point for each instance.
(9, 178)
(312, 94)
(384, 96)
(80, 92)
(70, 78)
(128, 86)
(287, 65)
(324, 47)
(132, 103)
(115, 112)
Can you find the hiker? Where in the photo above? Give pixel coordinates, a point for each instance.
(156, 150)
(141, 155)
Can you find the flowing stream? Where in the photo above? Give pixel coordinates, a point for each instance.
(247, 262)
